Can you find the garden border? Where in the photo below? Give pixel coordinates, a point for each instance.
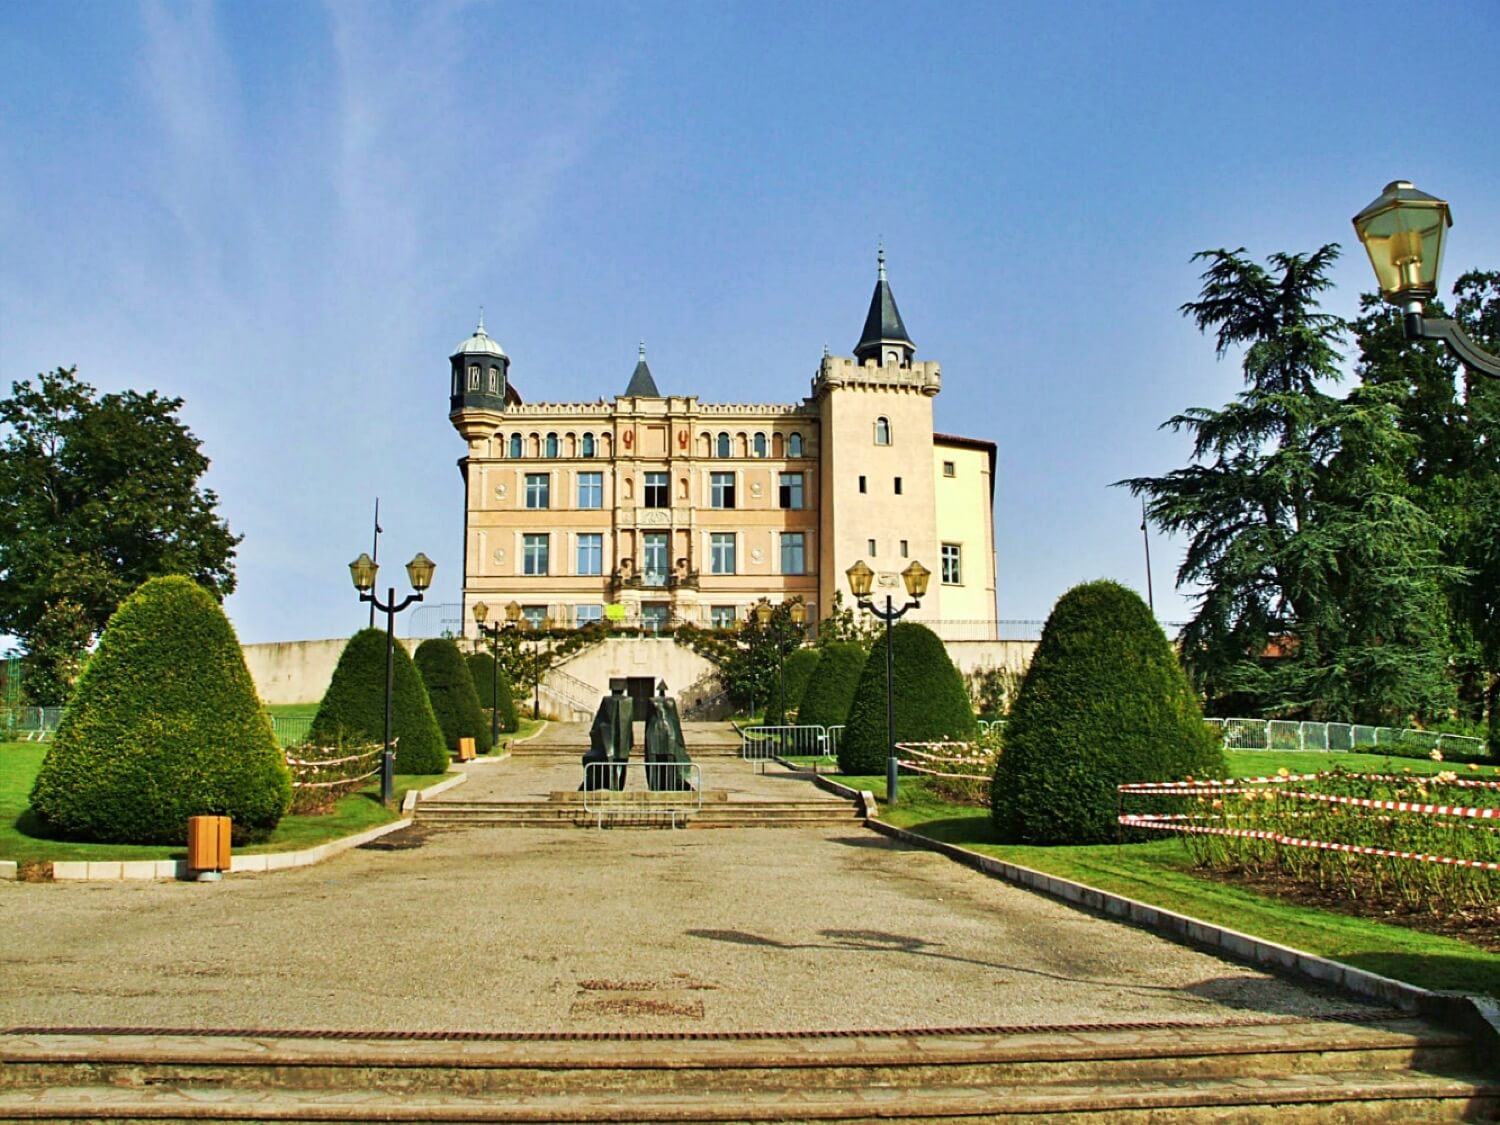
(118, 870)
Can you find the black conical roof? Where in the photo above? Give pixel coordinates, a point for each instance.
(642, 385)
(883, 321)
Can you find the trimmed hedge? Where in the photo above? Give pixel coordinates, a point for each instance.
(830, 688)
(1105, 701)
(799, 670)
(931, 702)
(163, 725)
(450, 690)
(353, 709)
(481, 668)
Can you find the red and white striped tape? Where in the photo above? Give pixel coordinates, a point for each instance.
(1398, 806)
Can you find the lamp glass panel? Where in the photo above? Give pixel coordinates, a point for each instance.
(513, 612)
(799, 613)
(860, 579)
(763, 613)
(419, 572)
(1404, 238)
(362, 572)
(915, 576)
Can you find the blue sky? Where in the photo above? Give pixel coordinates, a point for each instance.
(289, 213)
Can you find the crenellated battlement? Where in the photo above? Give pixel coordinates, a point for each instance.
(925, 376)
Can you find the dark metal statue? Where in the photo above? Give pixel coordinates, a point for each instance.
(610, 740)
(666, 750)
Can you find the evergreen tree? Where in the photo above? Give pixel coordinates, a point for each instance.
(450, 689)
(830, 689)
(493, 691)
(930, 701)
(353, 708)
(165, 724)
(1104, 702)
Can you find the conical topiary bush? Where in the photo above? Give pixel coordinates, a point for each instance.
(164, 724)
(830, 688)
(1104, 702)
(494, 691)
(353, 708)
(931, 702)
(799, 670)
(450, 689)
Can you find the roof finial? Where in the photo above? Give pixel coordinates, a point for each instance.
(643, 351)
(880, 257)
(480, 330)
(826, 352)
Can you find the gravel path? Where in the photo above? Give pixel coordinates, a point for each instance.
(512, 929)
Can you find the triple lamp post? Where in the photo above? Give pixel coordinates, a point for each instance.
(763, 613)
(419, 573)
(915, 578)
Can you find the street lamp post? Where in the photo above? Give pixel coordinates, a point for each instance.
(1403, 232)
(482, 611)
(536, 664)
(419, 572)
(763, 614)
(915, 578)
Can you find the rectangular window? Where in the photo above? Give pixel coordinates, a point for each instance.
(861, 483)
(587, 614)
(948, 470)
(793, 552)
(721, 490)
(655, 615)
(898, 486)
(872, 547)
(722, 616)
(591, 490)
(903, 548)
(534, 615)
(538, 490)
(654, 558)
(591, 553)
(656, 491)
(721, 552)
(952, 564)
(791, 490)
(534, 555)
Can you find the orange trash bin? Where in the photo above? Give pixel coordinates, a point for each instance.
(208, 843)
(465, 749)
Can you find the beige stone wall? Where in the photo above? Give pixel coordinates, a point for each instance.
(299, 671)
(965, 519)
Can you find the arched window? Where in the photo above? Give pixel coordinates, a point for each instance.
(515, 445)
(494, 380)
(760, 445)
(551, 445)
(723, 450)
(794, 446)
(588, 445)
(882, 431)
(474, 377)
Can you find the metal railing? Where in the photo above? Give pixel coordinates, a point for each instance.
(31, 724)
(762, 742)
(291, 730)
(640, 800)
(1289, 734)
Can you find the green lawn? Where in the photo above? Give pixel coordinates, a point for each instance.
(1160, 873)
(293, 710)
(20, 838)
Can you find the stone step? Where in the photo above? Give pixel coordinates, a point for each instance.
(1394, 1070)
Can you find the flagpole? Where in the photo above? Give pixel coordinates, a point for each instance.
(375, 553)
(1146, 539)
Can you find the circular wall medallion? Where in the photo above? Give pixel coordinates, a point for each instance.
(499, 554)
(755, 488)
(755, 554)
(500, 491)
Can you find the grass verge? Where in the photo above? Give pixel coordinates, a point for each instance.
(20, 837)
(1160, 873)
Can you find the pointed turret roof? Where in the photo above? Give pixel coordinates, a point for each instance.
(883, 321)
(641, 383)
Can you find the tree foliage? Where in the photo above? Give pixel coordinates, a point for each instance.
(799, 670)
(1104, 702)
(450, 689)
(1320, 574)
(493, 691)
(830, 688)
(97, 494)
(165, 725)
(931, 702)
(353, 708)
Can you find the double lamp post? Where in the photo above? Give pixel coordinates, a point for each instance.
(763, 615)
(915, 578)
(513, 618)
(419, 573)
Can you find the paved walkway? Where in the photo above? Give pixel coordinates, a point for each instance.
(520, 929)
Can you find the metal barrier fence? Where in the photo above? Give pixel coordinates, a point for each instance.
(291, 729)
(758, 743)
(31, 724)
(1288, 734)
(987, 725)
(640, 800)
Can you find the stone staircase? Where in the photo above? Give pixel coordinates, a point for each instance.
(566, 810)
(1382, 1069)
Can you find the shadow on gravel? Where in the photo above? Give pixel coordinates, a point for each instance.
(403, 841)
